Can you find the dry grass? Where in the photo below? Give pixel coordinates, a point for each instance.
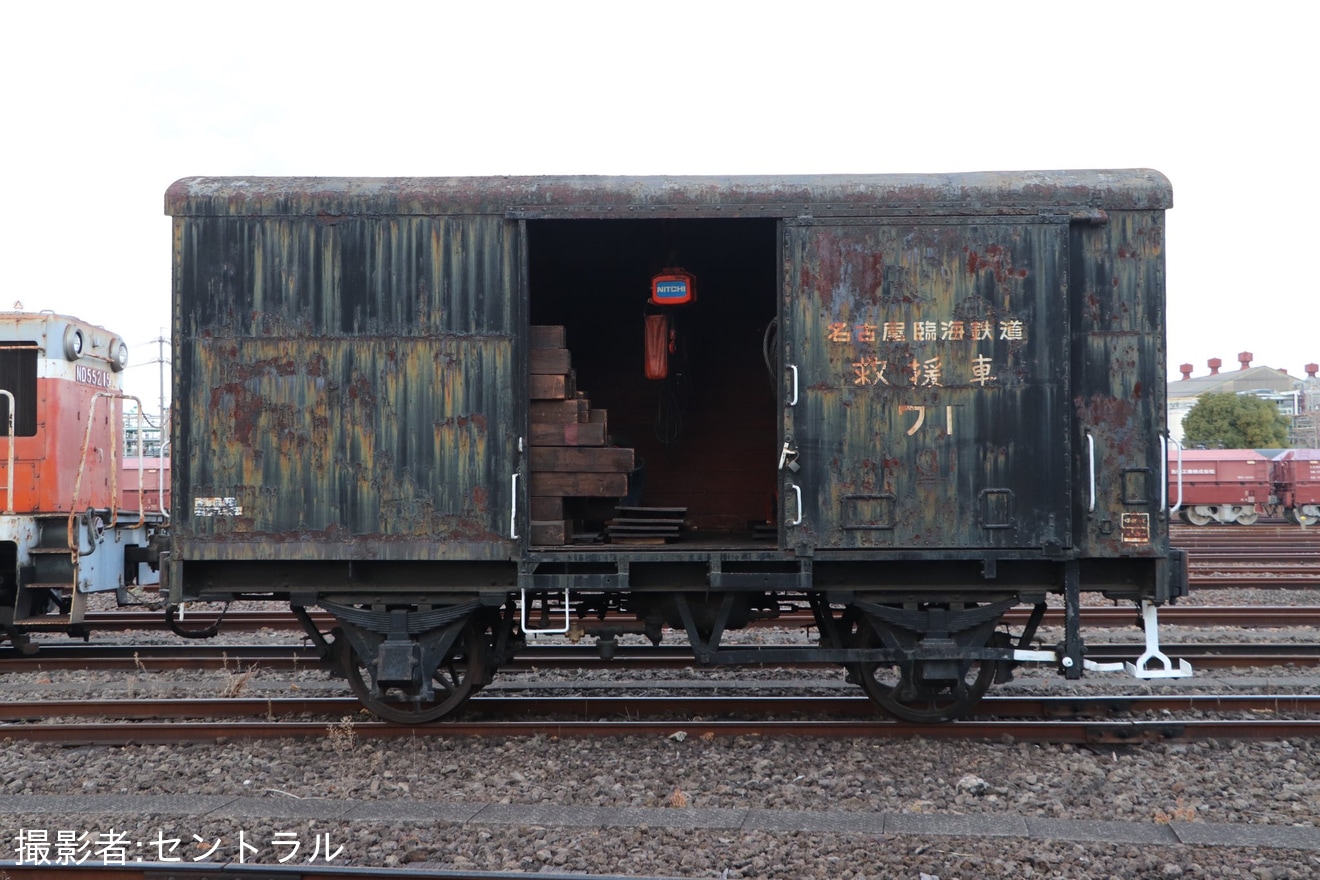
(236, 681)
(342, 736)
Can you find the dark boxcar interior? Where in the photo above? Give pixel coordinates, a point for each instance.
(705, 437)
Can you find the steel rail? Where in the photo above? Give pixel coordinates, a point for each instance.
(599, 707)
(241, 658)
(1058, 731)
(1246, 565)
(1239, 562)
(1258, 581)
(1280, 555)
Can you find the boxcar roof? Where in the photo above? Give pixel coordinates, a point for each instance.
(988, 192)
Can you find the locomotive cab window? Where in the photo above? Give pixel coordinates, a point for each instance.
(18, 376)
(653, 381)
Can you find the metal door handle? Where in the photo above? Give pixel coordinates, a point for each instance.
(797, 490)
(513, 511)
(1090, 451)
(793, 402)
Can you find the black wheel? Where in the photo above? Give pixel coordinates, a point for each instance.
(910, 690)
(458, 676)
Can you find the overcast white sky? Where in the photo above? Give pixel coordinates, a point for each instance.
(107, 104)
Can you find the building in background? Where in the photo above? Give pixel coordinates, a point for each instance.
(150, 432)
(1298, 399)
(1306, 424)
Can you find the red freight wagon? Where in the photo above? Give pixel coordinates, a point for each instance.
(1220, 485)
(144, 485)
(1297, 484)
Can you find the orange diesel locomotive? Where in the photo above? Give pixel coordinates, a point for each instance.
(65, 531)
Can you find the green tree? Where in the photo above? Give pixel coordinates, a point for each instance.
(1235, 421)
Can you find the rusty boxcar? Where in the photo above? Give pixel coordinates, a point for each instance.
(460, 412)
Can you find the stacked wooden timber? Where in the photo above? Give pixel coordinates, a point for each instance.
(646, 525)
(570, 456)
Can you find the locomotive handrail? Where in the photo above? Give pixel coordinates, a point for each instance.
(1090, 451)
(74, 544)
(9, 490)
(160, 476)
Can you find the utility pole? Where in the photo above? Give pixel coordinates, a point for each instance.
(161, 411)
(161, 360)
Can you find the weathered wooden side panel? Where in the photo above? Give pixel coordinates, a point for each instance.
(1118, 366)
(346, 385)
(931, 362)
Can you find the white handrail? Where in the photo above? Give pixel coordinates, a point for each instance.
(553, 630)
(513, 509)
(1090, 450)
(1164, 472)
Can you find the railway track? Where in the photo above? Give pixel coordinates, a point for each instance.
(1266, 556)
(158, 658)
(1214, 563)
(676, 709)
(1064, 728)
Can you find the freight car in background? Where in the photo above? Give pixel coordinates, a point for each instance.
(76, 520)
(457, 413)
(1297, 484)
(1239, 486)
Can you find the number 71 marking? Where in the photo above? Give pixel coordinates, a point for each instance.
(921, 418)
